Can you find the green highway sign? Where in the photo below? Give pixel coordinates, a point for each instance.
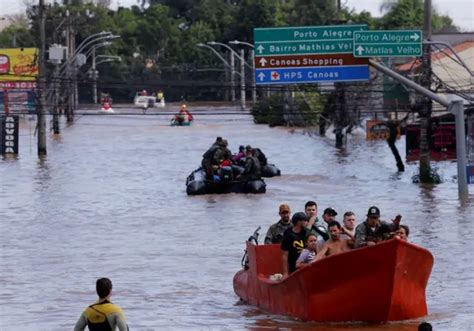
(307, 54)
(305, 40)
(387, 43)
(306, 33)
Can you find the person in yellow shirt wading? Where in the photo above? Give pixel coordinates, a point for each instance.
(103, 315)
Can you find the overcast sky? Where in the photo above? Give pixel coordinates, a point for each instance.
(461, 11)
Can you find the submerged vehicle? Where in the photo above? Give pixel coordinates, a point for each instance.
(197, 183)
(380, 283)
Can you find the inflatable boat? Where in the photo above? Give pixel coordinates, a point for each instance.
(106, 108)
(182, 123)
(270, 170)
(381, 283)
(197, 183)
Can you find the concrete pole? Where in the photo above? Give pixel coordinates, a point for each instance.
(457, 108)
(232, 76)
(56, 99)
(41, 83)
(94, 78)
(242, 78)
(426, 105)
(254, 87)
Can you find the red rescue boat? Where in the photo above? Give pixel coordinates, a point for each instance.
(385, 282)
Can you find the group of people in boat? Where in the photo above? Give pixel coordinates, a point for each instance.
(304, 238)
(218, 162)
(184, 116)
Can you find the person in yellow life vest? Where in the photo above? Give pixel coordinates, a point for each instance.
(103, 315)
(159, 95)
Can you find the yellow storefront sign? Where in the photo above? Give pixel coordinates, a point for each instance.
(378, 130)
(18, 64)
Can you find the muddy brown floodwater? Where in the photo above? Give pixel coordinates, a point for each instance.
(109, 200)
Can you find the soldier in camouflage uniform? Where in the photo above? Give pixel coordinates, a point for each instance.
(275, 232)
(373, 230)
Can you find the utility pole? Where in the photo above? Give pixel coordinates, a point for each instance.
(56, 99)
(232, 76)
(425, 102)
(242, 78)
(254, 86)
(94, 78)
(340, 92)
(40, 107)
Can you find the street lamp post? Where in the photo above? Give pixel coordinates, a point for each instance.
(232, 68)
(95, 72)
(252, 56)
(217, 54)
(242, 70)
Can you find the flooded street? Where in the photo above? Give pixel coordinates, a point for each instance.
(110, 201)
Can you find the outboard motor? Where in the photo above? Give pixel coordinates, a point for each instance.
(226, 174)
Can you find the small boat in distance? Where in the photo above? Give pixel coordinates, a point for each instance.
(183, 117)
(381, 283)
(106, 107)
(145, 101)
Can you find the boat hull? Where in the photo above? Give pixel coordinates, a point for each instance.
(270, 170)
(176, 123)
(382, 283)
(197, 184)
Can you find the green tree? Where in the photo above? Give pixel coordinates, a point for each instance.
(16, 36)
(409, 14)
(309, 12)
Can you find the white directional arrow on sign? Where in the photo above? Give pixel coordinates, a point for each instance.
(261, 76)
(415, 37)
(360, 49)
(263, 62)
(260, 49)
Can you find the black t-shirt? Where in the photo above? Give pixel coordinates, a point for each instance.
(293, 243)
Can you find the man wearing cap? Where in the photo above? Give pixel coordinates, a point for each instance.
(252, 166)
(275, 231)
(374, 230)
(293, 243)
(214, 155)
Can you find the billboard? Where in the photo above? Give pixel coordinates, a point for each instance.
(18, 64)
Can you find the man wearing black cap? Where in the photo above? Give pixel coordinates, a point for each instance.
(293, 243)
(374, 230)
(212, 157)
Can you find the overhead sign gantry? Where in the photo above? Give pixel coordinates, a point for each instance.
(309, 54)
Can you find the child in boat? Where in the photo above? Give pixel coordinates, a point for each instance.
(403, 232)
(308, 255)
